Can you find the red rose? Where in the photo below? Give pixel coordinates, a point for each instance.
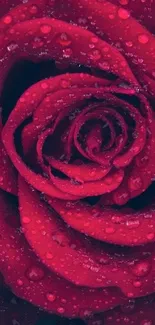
(78, 157)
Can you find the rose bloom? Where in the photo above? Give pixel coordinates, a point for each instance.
(77, 162)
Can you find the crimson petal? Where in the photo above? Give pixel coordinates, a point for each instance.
(32, 281)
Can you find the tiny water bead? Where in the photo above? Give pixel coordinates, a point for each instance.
(123, 13)
(26, 220)
(33, 9)
(63, 39)
(141, 269)
(35, 273)
(12, 47)
(143, 38)
(135, 183)
(7, 20)
(61, 310)
(45, 29)
(50, 297)
(67, 53)
(95, 55)
(146, 322)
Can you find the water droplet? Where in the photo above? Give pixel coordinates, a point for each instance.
(33, 9)
(123, 14)
(49, 256)
(143, 39)
(44, 85)
(87, 313)
(7, 20)
(116, 219)
(110, 230)
(95, 55)
(150, 236)
(137, 284)
(129, 44)
(94, 40)
(67, 53)
(19, 282)
(61, 310)
(50, 297)
(60, 239)
(12, 47)
(135, 183)
(45, 29)
(141, 268)
(111, 16)
(65, 83)
(146, 322)
(35, 273)
(37, 42)
(63, 39)
(104, 65)
(26, 220)
(132, 224)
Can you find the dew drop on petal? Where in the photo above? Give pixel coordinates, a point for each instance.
(116, 219)
(33, 9)
(135, 183)
(65, 83)
(63, 39)
(35, 273)
(60, 310)
(146, 322)
(141, 268)
(143, 39)
(7, 20)
(95, 55)
(110, 230)
(129, 44)
(104, 65)
(67, 53)
(20, 282)
(123, 14)
(26, 220)
(44, 85)
(45, 29)
(50, 297)
(49, 256)
(12, 47)
(137, 284)
(150, 236)
(132, 224)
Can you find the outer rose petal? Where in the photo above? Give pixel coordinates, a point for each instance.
(134, 312)
(143, 11)
(107, 224)
(8, 174)
(116, 24)
(78, 258)
(30, 280)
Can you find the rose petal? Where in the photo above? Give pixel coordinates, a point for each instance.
(106, 224)
(8, 178)
(32, 281)
(116, 23)
(140, 311)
